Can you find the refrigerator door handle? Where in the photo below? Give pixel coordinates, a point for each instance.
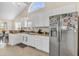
(51, 32)
(60, 35)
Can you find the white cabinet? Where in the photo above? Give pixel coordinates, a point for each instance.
(31, 40)
(46, 20)
(43, 20)
(40, 20)
(25, 39)
(15, 39)
(32, 20)
(45, 44)
(41, 43)
(35, 21)
(37, 41)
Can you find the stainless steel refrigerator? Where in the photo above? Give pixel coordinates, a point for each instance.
(64, 34)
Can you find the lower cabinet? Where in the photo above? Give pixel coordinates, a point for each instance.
(37, 41)
(45, 45)
(42, 43)
(31, 40)
(25, 39)
(15, 39)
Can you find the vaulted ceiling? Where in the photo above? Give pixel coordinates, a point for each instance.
(9, 10)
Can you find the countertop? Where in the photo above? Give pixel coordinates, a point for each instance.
(38, 34)
(31, 34)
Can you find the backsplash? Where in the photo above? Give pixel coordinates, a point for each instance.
(44, 29)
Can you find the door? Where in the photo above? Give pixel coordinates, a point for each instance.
(68, 34)
(54, 36)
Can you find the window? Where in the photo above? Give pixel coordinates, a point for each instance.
(18, 25)
(36, 5)
(28, 24)
(3, 25)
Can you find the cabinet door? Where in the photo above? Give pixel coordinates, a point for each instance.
(46, 20)
(38, 43)
(19, 38)
(31, 40)
(40, 20)
(33, 21)
(14, 39)
(43, 20)
(46, 45)
(36, 21)
(25, 39)
(11, 39)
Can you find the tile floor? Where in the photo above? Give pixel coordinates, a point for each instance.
(18, 51)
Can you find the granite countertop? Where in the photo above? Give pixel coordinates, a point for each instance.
(31, 34)
(38, 34)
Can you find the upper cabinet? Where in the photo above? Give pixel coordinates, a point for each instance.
(43, 20)
(40, 20)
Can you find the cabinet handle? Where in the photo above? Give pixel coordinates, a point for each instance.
(26, 39)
